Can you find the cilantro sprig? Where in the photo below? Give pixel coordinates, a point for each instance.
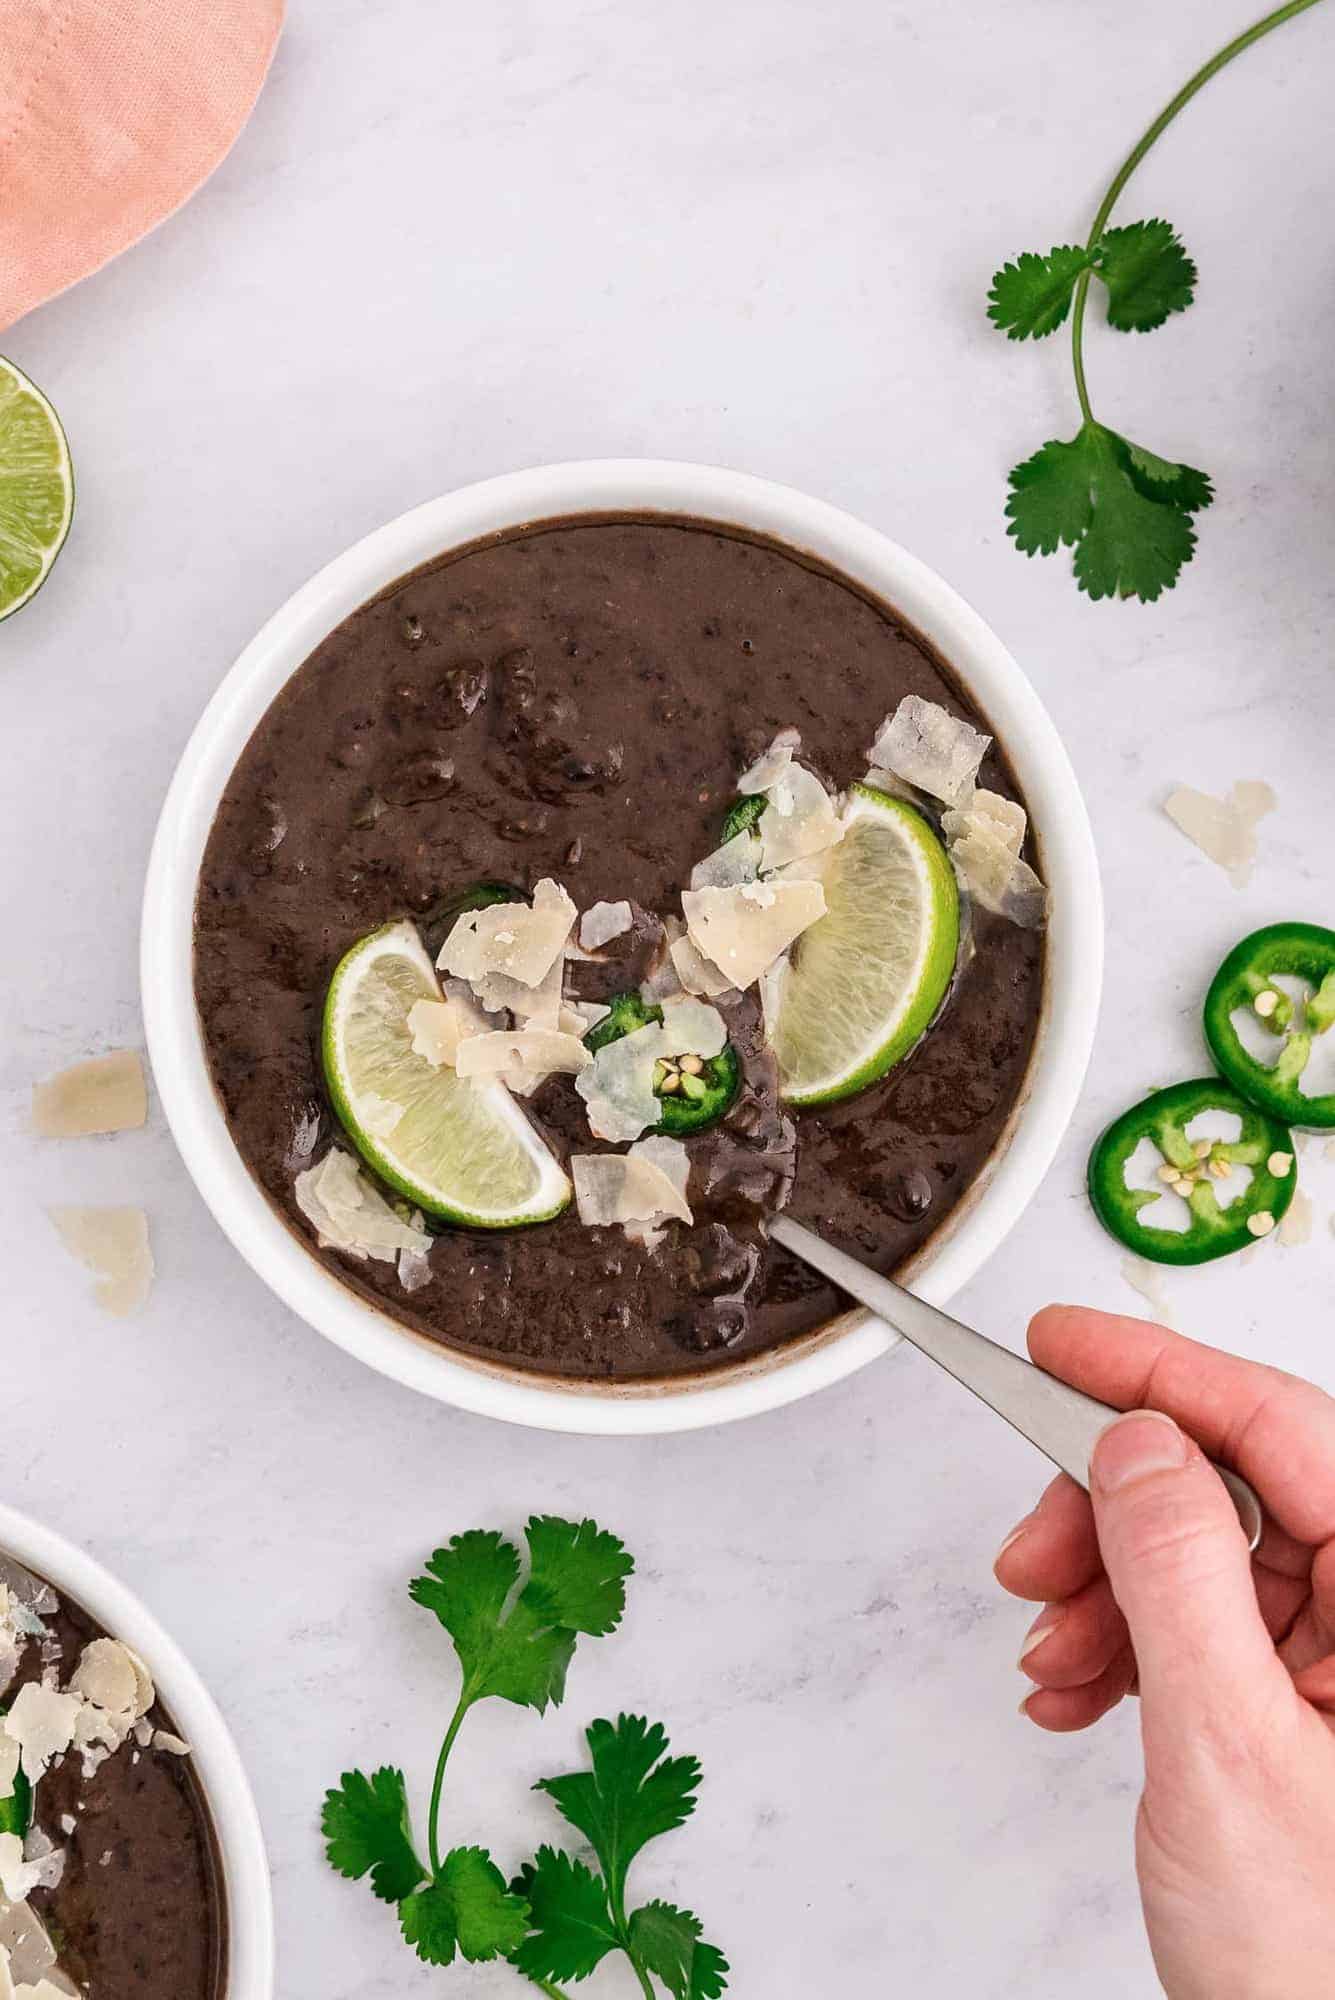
(1127, 514)
(559, 1917)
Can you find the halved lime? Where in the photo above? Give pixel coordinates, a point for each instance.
(867, 978)
(460, 1148)
(36, 488)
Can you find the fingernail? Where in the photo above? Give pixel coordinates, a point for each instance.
(1013, 1537)
(1134, 1447)
(1042, 1628)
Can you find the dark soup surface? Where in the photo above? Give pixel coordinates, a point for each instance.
(576, 701)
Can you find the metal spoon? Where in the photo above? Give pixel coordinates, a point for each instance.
(1060, 1420)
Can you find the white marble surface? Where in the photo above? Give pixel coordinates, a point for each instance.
(455, 241)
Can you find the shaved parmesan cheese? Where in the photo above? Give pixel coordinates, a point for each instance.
(695, 973)
(438, 1026)
(603, 922)
(1005, 819)
(1224, 829)
(501, 1054)
(414, 1269)
(349, 1214)
(993, 874)
(772, 982)
(112, 1243)
(175, 1746)
(799, 820)
(41, 1721)
(618, 1086)
(23, 1937)
(738, 860)
(106, 1675)
(534, 1006)
(670, 1158)
(927, 746)
(104, 1095)
(772, 765)
(49, 1860)
(9, 1764)
(518, 940)
(599, 1179)
(97, 1733)
(18, 1878)
(690, 1028)
(647, 1185)
(741, 933)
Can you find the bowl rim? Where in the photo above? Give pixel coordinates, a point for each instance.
(559, 492)
(243, 1860)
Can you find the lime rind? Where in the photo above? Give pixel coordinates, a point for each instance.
(869, 976)
(461, 1150)
(36, 488)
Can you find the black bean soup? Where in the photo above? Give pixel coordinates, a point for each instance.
(576, 700)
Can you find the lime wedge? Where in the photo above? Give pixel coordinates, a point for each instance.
(459, 1148)
(36, 488)
(867, 978)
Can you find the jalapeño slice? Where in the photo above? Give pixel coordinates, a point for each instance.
(16, 1806)
(744, 814)
(693, 1092)
(1247, 979)
(1263, 1145)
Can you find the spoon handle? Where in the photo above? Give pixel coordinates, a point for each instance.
(1060, 1420)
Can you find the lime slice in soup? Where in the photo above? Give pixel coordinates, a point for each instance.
(459, 1148)
(868, 977)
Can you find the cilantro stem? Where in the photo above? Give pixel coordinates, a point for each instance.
(1133, 159)
(617, 1904)
(437, 1783)
(546, 1986)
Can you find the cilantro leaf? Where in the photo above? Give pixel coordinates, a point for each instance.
(520, 1647)
(467, 1907)
(633, 1793)
(366, 1830)
(572, 1930)
(1126, 513)
(668, 1942)
(1032, 296)
(1159, 479)
(1148, 274)
(1051, 499)
(578, 1574)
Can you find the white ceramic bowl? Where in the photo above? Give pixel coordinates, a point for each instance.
(1074, 961)
(245, 1867)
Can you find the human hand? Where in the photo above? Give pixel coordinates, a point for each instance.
(1148, 1586)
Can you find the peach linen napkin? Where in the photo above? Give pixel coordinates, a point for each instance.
(111, 114)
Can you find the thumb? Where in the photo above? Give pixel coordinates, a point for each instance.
(1181, 1572)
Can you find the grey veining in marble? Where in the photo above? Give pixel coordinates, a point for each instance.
(455, 241)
